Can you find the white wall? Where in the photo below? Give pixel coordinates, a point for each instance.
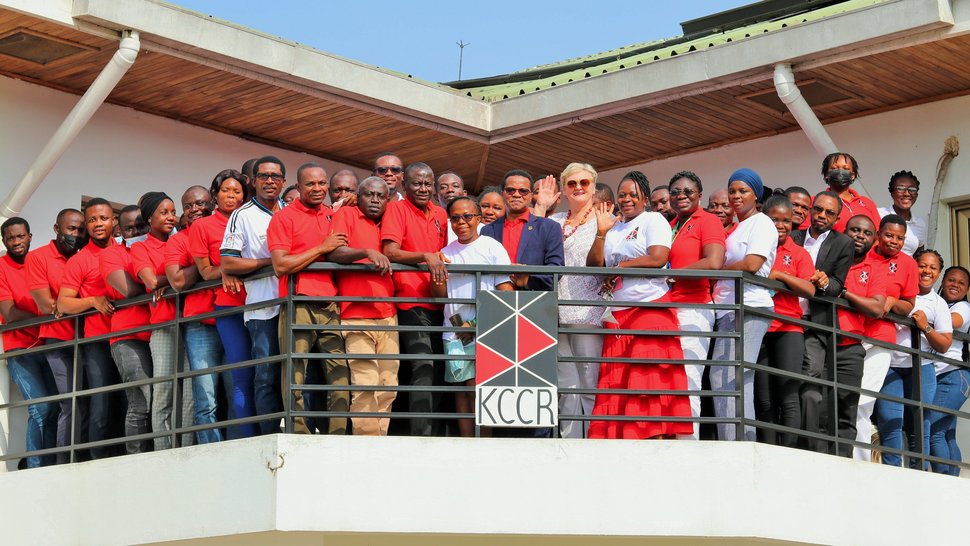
(120, 154)
(907, 139)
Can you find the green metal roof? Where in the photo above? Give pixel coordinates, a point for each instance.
(620, 59)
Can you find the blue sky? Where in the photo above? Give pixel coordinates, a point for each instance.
(419, 37)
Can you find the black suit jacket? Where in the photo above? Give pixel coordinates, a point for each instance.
(834, 259)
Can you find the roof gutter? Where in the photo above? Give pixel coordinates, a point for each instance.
(82, 112)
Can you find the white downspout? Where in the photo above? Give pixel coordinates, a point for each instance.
(789, 94)
(72, 125)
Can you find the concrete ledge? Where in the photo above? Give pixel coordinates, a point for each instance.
(308, 489)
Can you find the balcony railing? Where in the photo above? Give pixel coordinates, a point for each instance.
(913, 402)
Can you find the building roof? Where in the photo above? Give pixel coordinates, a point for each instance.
(852, 59)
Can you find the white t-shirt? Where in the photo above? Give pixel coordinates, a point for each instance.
(955, 351)
(915, 231)
(481, 251)
(245, 237)
(937, 314)
(630, 240)
(756, 235)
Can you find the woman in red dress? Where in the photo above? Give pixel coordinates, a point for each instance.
(641, 240)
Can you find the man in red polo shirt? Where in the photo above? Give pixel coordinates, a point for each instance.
(840, 170)
(29, 372)
(413, 231)
(902, 287)
(130, 351)
(296, 238)
(864, 288)
(44, 268)
(203, 348)
(362, 226)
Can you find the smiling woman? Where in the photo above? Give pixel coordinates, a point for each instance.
(904, 190)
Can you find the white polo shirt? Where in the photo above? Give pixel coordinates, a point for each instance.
(245, 237)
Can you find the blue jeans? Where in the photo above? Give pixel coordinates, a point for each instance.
(238, 346)
(204, 351)
(952, 390)
(266, 384)
(33, 377)
(893, 419)
(723, 377)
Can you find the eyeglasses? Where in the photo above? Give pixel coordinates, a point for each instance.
(455, 218)
(277, 177)
(686, 191)
(517, 191)
(912, 190)
(573, 184)
(384, 170)
(828, 212)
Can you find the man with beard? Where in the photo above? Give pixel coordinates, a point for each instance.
(413, 231)
(902, 287)
(203, 349)
(831, 252)
(718, 205)
(297, 237)
(362, 226)
(29, 372)
(244, 251)
(865, 286)
(660, 202)
(840, 170)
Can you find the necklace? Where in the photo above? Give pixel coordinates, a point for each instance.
(571, 229)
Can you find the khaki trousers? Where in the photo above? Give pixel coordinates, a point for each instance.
(374, 372)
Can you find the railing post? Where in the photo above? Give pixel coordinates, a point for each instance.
(177, 395)
(75, 373)
(288, 364)
(832, 349)
(739, 356)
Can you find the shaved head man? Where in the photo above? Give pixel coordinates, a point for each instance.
(718, 205)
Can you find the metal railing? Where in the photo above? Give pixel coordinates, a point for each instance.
(913, 403)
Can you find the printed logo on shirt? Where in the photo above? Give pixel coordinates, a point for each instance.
(633, 234)
(892, 267)
(863, 277)
(787, 259)
(437, 225)
(233, 240)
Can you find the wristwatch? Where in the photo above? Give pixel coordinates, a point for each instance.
(928, 329)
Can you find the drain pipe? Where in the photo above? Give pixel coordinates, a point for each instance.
(789, 94)
(72, 125)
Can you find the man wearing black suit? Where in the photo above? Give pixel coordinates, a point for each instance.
(832, 253)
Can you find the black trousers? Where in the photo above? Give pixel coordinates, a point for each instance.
(777, 398)
(842, 403)
(106, 413)
(420, 372)
(815, 365)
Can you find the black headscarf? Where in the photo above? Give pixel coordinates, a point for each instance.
(150, 203)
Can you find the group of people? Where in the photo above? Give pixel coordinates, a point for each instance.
(835, 243)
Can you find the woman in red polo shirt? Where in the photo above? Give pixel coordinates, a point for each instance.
(148, 258)
(641, 239)
(776, 396)
(206, 237)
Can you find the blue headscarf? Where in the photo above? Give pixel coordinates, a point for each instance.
(750, 178)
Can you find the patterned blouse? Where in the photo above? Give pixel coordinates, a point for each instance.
(579, 287)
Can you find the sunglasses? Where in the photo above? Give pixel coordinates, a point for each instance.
(573, 184)
(277, 177)
(685, 191)
(384, 170)
(455, 218)
(518, 191)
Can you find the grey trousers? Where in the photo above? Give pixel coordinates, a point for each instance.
(164, 345)
(723, 377)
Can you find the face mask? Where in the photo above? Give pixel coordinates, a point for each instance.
(131, 240)
(839, 177)
(71, 243)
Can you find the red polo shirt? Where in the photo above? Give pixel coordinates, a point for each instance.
(362, 232)
(512, 234)
(118, 258)
(415, 231)
(150, 254)
(205, 240)
(297, 229)
(83, 276)
(866, 278)
(857, 204)
(902, 282)
(13, 287)
(795, 261)
(177, 253)
(44, 268)
(701, 229)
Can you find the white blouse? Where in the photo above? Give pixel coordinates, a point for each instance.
(579, 287)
